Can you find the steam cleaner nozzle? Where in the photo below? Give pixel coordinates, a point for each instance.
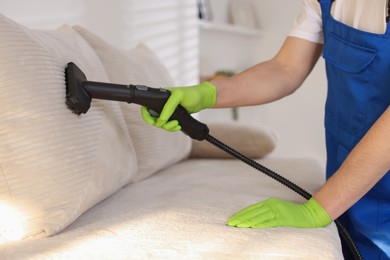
(80, 92)
(78, 100)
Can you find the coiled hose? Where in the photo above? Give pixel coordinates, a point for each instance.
(342, 230)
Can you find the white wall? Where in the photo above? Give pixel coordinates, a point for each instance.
(44, 14)
(297, 119)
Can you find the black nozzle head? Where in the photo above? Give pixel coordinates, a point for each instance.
(77, 98)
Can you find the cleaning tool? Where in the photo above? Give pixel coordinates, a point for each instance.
(80, 92)
(192, 98)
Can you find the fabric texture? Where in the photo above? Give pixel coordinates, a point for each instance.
(155, 148)
(181, 213)
(54, 165)
(252, 140)
(369, 16)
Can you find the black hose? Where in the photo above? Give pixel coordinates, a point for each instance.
(342, 230)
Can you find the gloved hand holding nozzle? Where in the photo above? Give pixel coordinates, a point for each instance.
(192, 98)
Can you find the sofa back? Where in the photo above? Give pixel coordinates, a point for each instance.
(55, 165)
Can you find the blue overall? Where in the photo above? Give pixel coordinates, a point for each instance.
(358, 71)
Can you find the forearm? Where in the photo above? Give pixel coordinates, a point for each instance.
(367, 163)
(270, 80)
(263, 83)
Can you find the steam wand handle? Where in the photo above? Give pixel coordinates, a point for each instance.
(152, 98)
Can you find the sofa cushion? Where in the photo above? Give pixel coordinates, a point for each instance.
(54, 165)
(181, 213)
(155, 148)
(252, 140)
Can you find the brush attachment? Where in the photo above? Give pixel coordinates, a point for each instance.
(78, 100)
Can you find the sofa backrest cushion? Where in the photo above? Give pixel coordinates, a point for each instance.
(155, 148)
(54, 165)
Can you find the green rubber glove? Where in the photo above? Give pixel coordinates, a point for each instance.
(277, 213)
(193, 99)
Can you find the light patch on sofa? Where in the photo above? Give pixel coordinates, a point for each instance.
(12, 224)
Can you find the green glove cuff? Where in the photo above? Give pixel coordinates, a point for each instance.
(209, 94)
(322, 217)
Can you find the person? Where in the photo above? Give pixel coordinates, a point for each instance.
(354, 39)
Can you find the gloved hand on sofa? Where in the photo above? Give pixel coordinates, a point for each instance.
(277, 212)
(192, 98)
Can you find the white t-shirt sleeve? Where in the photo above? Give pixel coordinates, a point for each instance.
(308, 24)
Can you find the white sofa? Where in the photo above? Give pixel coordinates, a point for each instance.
(105, 185)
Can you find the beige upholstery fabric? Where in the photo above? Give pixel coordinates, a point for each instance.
(54, 165)
(181, 212)
(155, 148)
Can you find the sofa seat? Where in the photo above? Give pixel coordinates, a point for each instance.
(180, 213)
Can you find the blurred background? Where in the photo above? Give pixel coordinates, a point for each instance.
(198, 40)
